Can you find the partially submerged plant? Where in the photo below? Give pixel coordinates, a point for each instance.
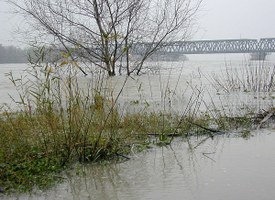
(56, 122)
(251, 77)
(59, 121)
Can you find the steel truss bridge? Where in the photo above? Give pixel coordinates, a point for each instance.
(264, 45)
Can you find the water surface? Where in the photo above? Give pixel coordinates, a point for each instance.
(225, 168)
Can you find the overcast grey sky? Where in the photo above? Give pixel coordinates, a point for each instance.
(217, 19)
(237, 19)
(9, 23)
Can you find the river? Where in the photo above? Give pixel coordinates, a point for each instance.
(168, 86)
(226, 167)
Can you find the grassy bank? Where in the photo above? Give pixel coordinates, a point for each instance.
(35, 147)
(57, 123)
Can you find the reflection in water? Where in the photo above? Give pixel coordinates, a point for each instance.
(222, 168)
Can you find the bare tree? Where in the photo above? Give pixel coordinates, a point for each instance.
(104, 32)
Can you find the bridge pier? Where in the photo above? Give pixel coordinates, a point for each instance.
(258, 56)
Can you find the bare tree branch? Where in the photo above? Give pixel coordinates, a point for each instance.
(104, 32)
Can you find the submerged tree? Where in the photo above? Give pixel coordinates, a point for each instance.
(105, 32)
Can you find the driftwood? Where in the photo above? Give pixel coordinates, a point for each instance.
(123, 156)
(211, 130)
(205, 128)
(218, 132)
(168, 135)
(266, 118)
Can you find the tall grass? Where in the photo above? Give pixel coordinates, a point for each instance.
(252, 77)
(58, 121)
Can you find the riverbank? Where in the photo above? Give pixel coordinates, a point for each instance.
(198, 169)
(36, 146)
(58, 122)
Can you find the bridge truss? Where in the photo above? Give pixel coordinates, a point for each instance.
(212, 46)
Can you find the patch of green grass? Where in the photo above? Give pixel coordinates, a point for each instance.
(36, 147)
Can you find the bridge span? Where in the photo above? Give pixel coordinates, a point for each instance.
(264, 45)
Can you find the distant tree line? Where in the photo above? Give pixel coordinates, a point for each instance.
(11, 54)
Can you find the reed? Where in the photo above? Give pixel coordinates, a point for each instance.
(58, 121)
(251, 77)
(55, 122)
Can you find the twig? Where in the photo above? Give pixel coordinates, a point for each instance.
(168, 135)
(205, 128)
(206, 155)
(267, 117)
(123, 156)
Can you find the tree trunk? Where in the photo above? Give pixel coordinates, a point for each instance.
(111, 73)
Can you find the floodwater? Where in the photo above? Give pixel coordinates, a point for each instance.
(169, 86)
(228, 167)
(6, 86)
